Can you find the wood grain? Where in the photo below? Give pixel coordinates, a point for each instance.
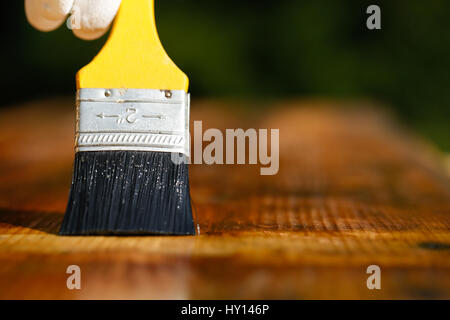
(354, 189)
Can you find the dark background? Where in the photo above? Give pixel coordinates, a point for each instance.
(267, 50)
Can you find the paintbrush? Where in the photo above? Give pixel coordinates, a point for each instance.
(130, 170)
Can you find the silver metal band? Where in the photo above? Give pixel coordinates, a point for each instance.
(132, 119)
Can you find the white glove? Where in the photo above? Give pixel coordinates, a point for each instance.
(89, 19)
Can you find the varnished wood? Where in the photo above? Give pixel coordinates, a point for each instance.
(354, 189)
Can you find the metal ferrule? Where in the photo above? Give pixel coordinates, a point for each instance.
(132, 119)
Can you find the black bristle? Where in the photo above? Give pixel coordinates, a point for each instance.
(128, 192)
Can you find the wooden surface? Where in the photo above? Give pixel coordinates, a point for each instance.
(353, 190)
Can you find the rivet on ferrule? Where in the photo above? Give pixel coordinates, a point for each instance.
(167, 93)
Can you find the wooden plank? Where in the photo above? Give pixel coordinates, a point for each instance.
(353, 190)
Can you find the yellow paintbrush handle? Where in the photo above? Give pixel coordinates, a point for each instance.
(133, 57)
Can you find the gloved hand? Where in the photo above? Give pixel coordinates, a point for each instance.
(89, 19)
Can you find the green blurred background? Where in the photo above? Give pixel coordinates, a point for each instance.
(268, 50)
